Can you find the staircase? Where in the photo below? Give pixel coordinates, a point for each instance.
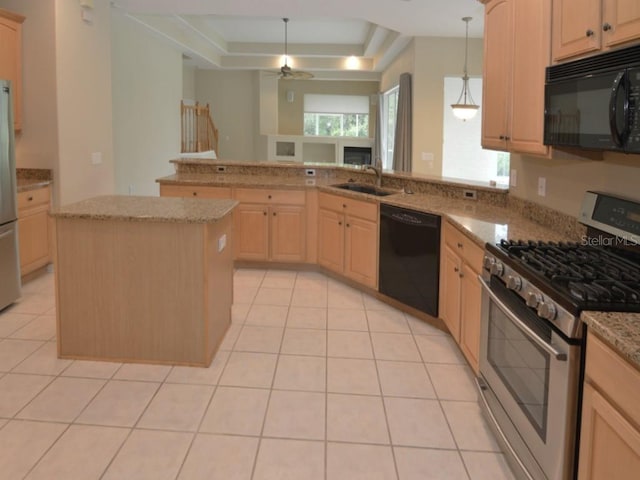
(199, 133)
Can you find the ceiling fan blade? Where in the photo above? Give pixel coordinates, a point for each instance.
(300, 75)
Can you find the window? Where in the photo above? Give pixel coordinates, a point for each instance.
(388, 126)
(336, 115)
(462, 154)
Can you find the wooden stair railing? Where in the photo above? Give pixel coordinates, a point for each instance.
(199, 133)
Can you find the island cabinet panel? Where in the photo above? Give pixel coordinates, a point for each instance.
(460, 291)
(197, 191)
(154, 292)
(610, 434)
(348, 238)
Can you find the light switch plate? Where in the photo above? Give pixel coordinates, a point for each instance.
(542, 186)
(222, 242)
(513, 178)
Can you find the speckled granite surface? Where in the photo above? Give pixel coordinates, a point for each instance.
(621, 330)
(32, 178)
(148, 209)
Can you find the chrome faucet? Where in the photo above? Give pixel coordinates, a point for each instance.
(378, 171)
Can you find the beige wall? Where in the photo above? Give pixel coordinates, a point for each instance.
(291, 115)
(83, 85)
(568, 177)
(37, 144)
(188, 82)
(147, 84)
(234, 107)
(402, 63)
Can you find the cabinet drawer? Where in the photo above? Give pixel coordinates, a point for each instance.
(260, 195)
(463, 246)
(356, 208)
(194, 191)
(614, 377)
(32, 198)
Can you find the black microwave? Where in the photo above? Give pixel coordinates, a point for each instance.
(594, 103)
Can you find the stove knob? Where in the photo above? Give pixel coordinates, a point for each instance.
(514, 283)
(533, 299)
(497, 269)
(547, 310)
(488, 261)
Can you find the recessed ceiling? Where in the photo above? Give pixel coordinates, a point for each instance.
(249, 34)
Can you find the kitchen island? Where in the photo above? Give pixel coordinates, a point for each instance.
(143, 279)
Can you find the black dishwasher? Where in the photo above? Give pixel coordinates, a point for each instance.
(409, 265)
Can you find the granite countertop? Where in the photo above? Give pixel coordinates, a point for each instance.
(620, 329)
(148, 209)
(240, 180)
(26, 184)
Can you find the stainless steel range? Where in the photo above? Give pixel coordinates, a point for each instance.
(532, 339)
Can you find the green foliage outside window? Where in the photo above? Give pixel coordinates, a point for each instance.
(336, 124)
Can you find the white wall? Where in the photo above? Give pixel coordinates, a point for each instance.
(37, 144)
(188, 82)
(147, 78)
(83, 85)
(234, 108)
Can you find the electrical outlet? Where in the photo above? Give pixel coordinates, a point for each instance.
(96, 158)
(221, 169)
(470, 194)
(542, 186)
(310, 182)
(310, 172)
(513, 178)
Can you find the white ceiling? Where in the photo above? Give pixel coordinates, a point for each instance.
(249, 34)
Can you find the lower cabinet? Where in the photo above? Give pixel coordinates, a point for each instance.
(272, 230)
(460, 291)
(33, 229)
(610, 435)
(348, 238)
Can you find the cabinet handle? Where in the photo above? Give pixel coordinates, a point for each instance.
(348, 225)
(195, 194)
(461, 274)
(460, 245)
(264, 213)
(606, 27)
(456, 269)
(507, 138)
(269, 197)
(344, 205)
(339, 223)
(501, 137)
(590, 33)
(274, 214)
(29, 199)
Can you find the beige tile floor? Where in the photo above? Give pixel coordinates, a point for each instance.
(314, 380)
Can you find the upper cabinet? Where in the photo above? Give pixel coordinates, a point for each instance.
(11, 59)
(584, 26)
(517, 49)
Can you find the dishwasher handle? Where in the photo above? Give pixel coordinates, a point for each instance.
(409, 217)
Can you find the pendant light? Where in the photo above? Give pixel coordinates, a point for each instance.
(463, 109)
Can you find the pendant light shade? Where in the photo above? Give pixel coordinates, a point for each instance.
(465, 108)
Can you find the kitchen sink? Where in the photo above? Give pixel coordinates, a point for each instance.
(362, 188)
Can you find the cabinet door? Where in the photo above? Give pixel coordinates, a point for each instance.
(361, 251)
(33, 237)
(450, 287)
(576, 27)
(623, 19)
(609, 444)
(10, 59)
(251, 231)
(496, 88)
(531, 54)
(288, 228)
(470, 298)
(331, 240)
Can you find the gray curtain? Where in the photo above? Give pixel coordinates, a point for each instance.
(402, 143)
(377, 132)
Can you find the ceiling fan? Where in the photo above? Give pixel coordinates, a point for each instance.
(286, 72)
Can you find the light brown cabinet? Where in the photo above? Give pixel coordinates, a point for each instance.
(348, 238)
(517, 49)
(270, 225)
(11, 59)
(585, 26)
(460, 291)
(610, 435)
(197, 191)
(33, 229)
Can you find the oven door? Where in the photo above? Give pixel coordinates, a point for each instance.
(529, 383)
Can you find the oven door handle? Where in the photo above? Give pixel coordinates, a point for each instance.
(562, 357)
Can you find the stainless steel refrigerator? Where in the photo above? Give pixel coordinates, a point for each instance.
(9, 260)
